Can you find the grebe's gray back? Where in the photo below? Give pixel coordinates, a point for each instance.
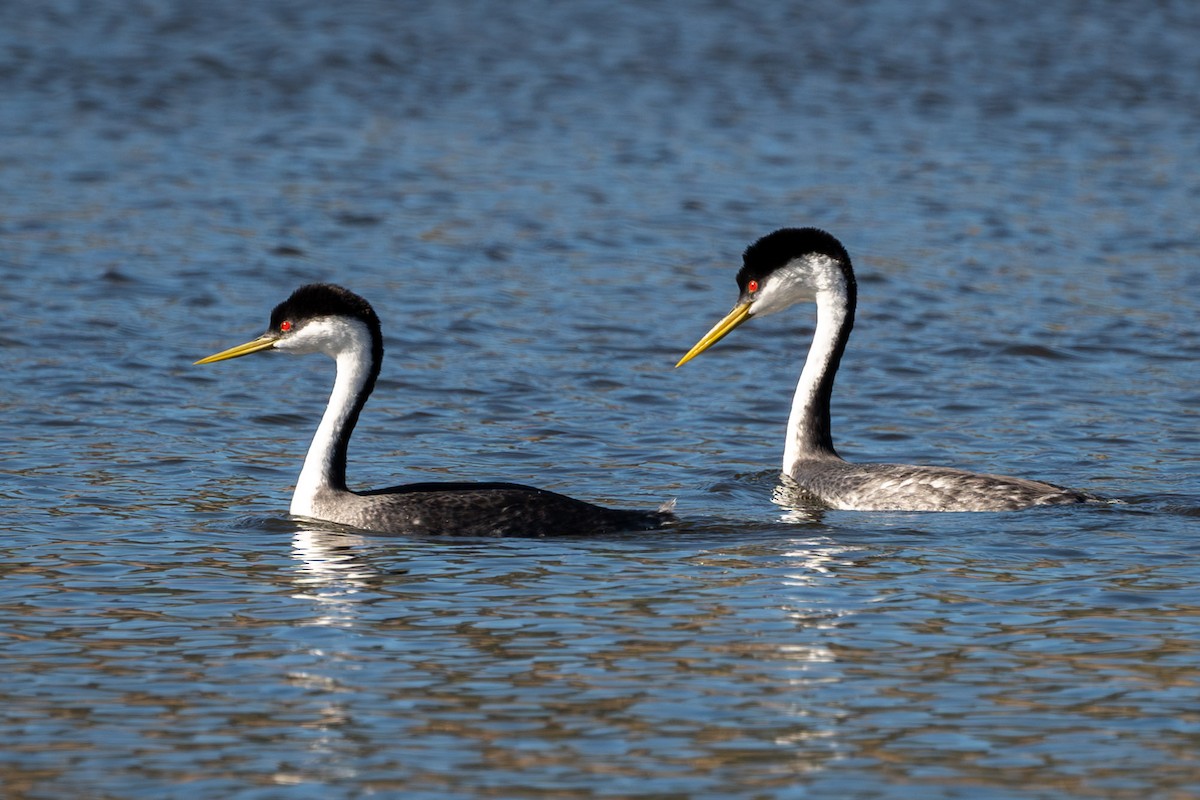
(323, 318)
(806, 264)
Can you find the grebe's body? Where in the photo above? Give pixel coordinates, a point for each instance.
(796, 264)
(323, 318)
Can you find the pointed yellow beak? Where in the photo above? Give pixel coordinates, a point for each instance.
(264, 342)
(739, 314)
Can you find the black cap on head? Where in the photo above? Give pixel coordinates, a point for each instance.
(776, 249)
(322, 300)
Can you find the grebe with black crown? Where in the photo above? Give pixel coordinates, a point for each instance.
(323, 318)
(806, 264)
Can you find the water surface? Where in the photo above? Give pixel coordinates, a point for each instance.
(547, 204)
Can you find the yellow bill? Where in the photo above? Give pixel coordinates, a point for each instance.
(739, 314)
(263, 342)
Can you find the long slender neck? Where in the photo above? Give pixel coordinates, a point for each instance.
(325, 465)
(808, 429)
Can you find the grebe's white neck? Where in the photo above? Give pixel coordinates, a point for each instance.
(809, 434)
(825, 279)
(349, 343)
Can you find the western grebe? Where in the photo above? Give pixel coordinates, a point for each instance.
(805, 264)
(323, 318)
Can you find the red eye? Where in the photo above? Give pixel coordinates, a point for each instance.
(285, 326)
(752, 286)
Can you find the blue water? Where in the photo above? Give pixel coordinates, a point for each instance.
(547, 204)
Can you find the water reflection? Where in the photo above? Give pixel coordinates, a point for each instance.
(798, 506)
(536, 637)
(331, 570)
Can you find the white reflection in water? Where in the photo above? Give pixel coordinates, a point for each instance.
(811, 568)
(330, 571)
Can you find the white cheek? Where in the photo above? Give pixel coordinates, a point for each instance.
(305, 340)
(328, 335)
(786, 287)
(801, 280)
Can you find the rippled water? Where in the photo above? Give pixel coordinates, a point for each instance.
(547, 204)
